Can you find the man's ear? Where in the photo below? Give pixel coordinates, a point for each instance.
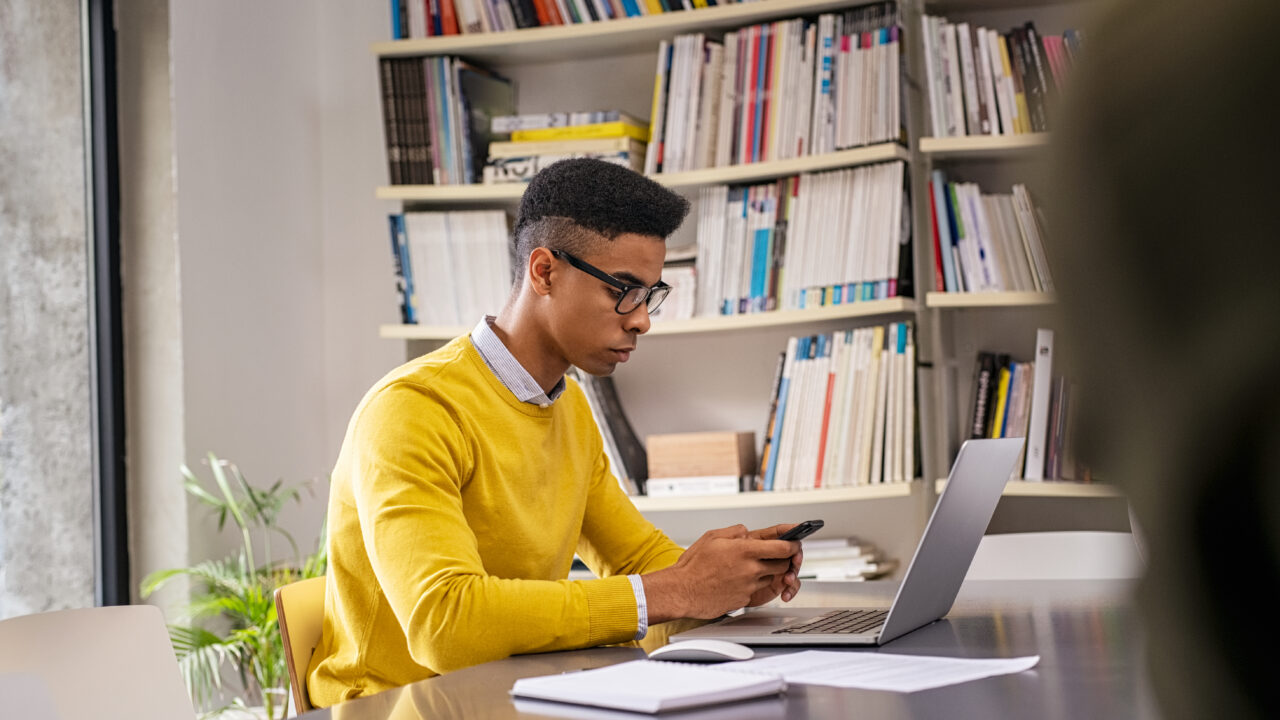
(539, 270)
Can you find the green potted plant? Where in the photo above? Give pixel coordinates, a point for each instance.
(231, 619)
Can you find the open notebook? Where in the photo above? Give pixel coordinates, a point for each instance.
(651, 686)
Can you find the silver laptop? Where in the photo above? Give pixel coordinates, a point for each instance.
(933, 578)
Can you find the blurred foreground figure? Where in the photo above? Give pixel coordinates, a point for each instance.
(1167, 209)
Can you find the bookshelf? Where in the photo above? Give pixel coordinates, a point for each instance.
(697, 325)
(983, 147)
(965, 323)
(592, 40)
(456, 194)
(987, 299)
(611, 65)
(775, 499)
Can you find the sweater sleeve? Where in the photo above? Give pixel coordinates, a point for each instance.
(616, 538)
(412, 461)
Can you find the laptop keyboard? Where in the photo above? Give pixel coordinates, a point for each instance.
(842, 622)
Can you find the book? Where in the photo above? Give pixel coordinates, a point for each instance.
(522, 169)
(1040, 401)
(650, 686)
(630, 448)
(578, 132)
(693, 485)
(984, 380)
(403, 273)
(501, 149)
(484, 95)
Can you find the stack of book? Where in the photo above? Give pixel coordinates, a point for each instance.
(1032, 400)
(803, 241)
(627, 457)
(982, 82)
(451, 268)
(435, 113)
(986, 242)
(778, 90)
(429, 18)
(843, 559)
(843, 411)
(536, 141)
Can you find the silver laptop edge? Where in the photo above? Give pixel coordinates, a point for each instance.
(932, 580)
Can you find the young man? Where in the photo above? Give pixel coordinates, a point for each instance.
(469, 477)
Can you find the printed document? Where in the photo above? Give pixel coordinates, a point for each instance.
(882, 671)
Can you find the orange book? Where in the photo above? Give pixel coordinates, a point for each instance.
(448, 18)
(831, 355)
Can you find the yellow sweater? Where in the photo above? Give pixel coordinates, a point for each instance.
(454, 514)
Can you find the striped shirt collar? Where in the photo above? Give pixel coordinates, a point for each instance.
(509, 371)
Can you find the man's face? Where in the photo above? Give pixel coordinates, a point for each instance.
(590, 333)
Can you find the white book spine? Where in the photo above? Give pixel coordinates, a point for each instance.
(699, 485)
(1037, 432)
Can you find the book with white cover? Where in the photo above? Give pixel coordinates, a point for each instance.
(651, 686)
(693, 485)
(1041, 388)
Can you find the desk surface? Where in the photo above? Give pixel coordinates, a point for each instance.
(1085, 632)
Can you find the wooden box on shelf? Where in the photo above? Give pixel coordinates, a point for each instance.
(701, 454)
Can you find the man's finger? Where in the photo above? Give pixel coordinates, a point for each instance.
(772, 532)
(771, 549)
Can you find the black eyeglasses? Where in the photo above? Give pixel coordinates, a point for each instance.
(632, 296)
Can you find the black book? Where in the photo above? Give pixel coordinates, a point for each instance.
(906, 262)
(984, 389)
(484, 95)
(524, 13)
(1021, 48)
(1041, 63)
(390, 121)
(634, 458)
(413, 122)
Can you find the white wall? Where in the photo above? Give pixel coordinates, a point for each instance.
(356, 253)
(247, 144)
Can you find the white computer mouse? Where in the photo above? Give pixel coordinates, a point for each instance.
(703, 650)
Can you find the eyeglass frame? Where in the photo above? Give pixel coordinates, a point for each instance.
(623, 287)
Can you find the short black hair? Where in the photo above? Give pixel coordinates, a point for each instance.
(607, 199)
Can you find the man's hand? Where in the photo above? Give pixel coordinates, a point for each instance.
(787, 583)
(725, 570)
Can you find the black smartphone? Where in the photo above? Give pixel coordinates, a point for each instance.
(801, 531)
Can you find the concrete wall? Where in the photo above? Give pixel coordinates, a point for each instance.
(46, 430)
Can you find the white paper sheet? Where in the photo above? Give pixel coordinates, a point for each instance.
(883, 671)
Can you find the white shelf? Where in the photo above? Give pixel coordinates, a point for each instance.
(733, 174)
(719, 323)
(772, 499)
(597, 39)
(987, 299)
(982, 146)
(1055, 488)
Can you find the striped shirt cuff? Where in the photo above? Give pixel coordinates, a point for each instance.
(642, 610)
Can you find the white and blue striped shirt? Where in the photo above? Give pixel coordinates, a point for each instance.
(515, 378)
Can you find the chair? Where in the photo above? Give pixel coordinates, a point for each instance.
(300, 609)
(1062, 555)
(107, 663)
